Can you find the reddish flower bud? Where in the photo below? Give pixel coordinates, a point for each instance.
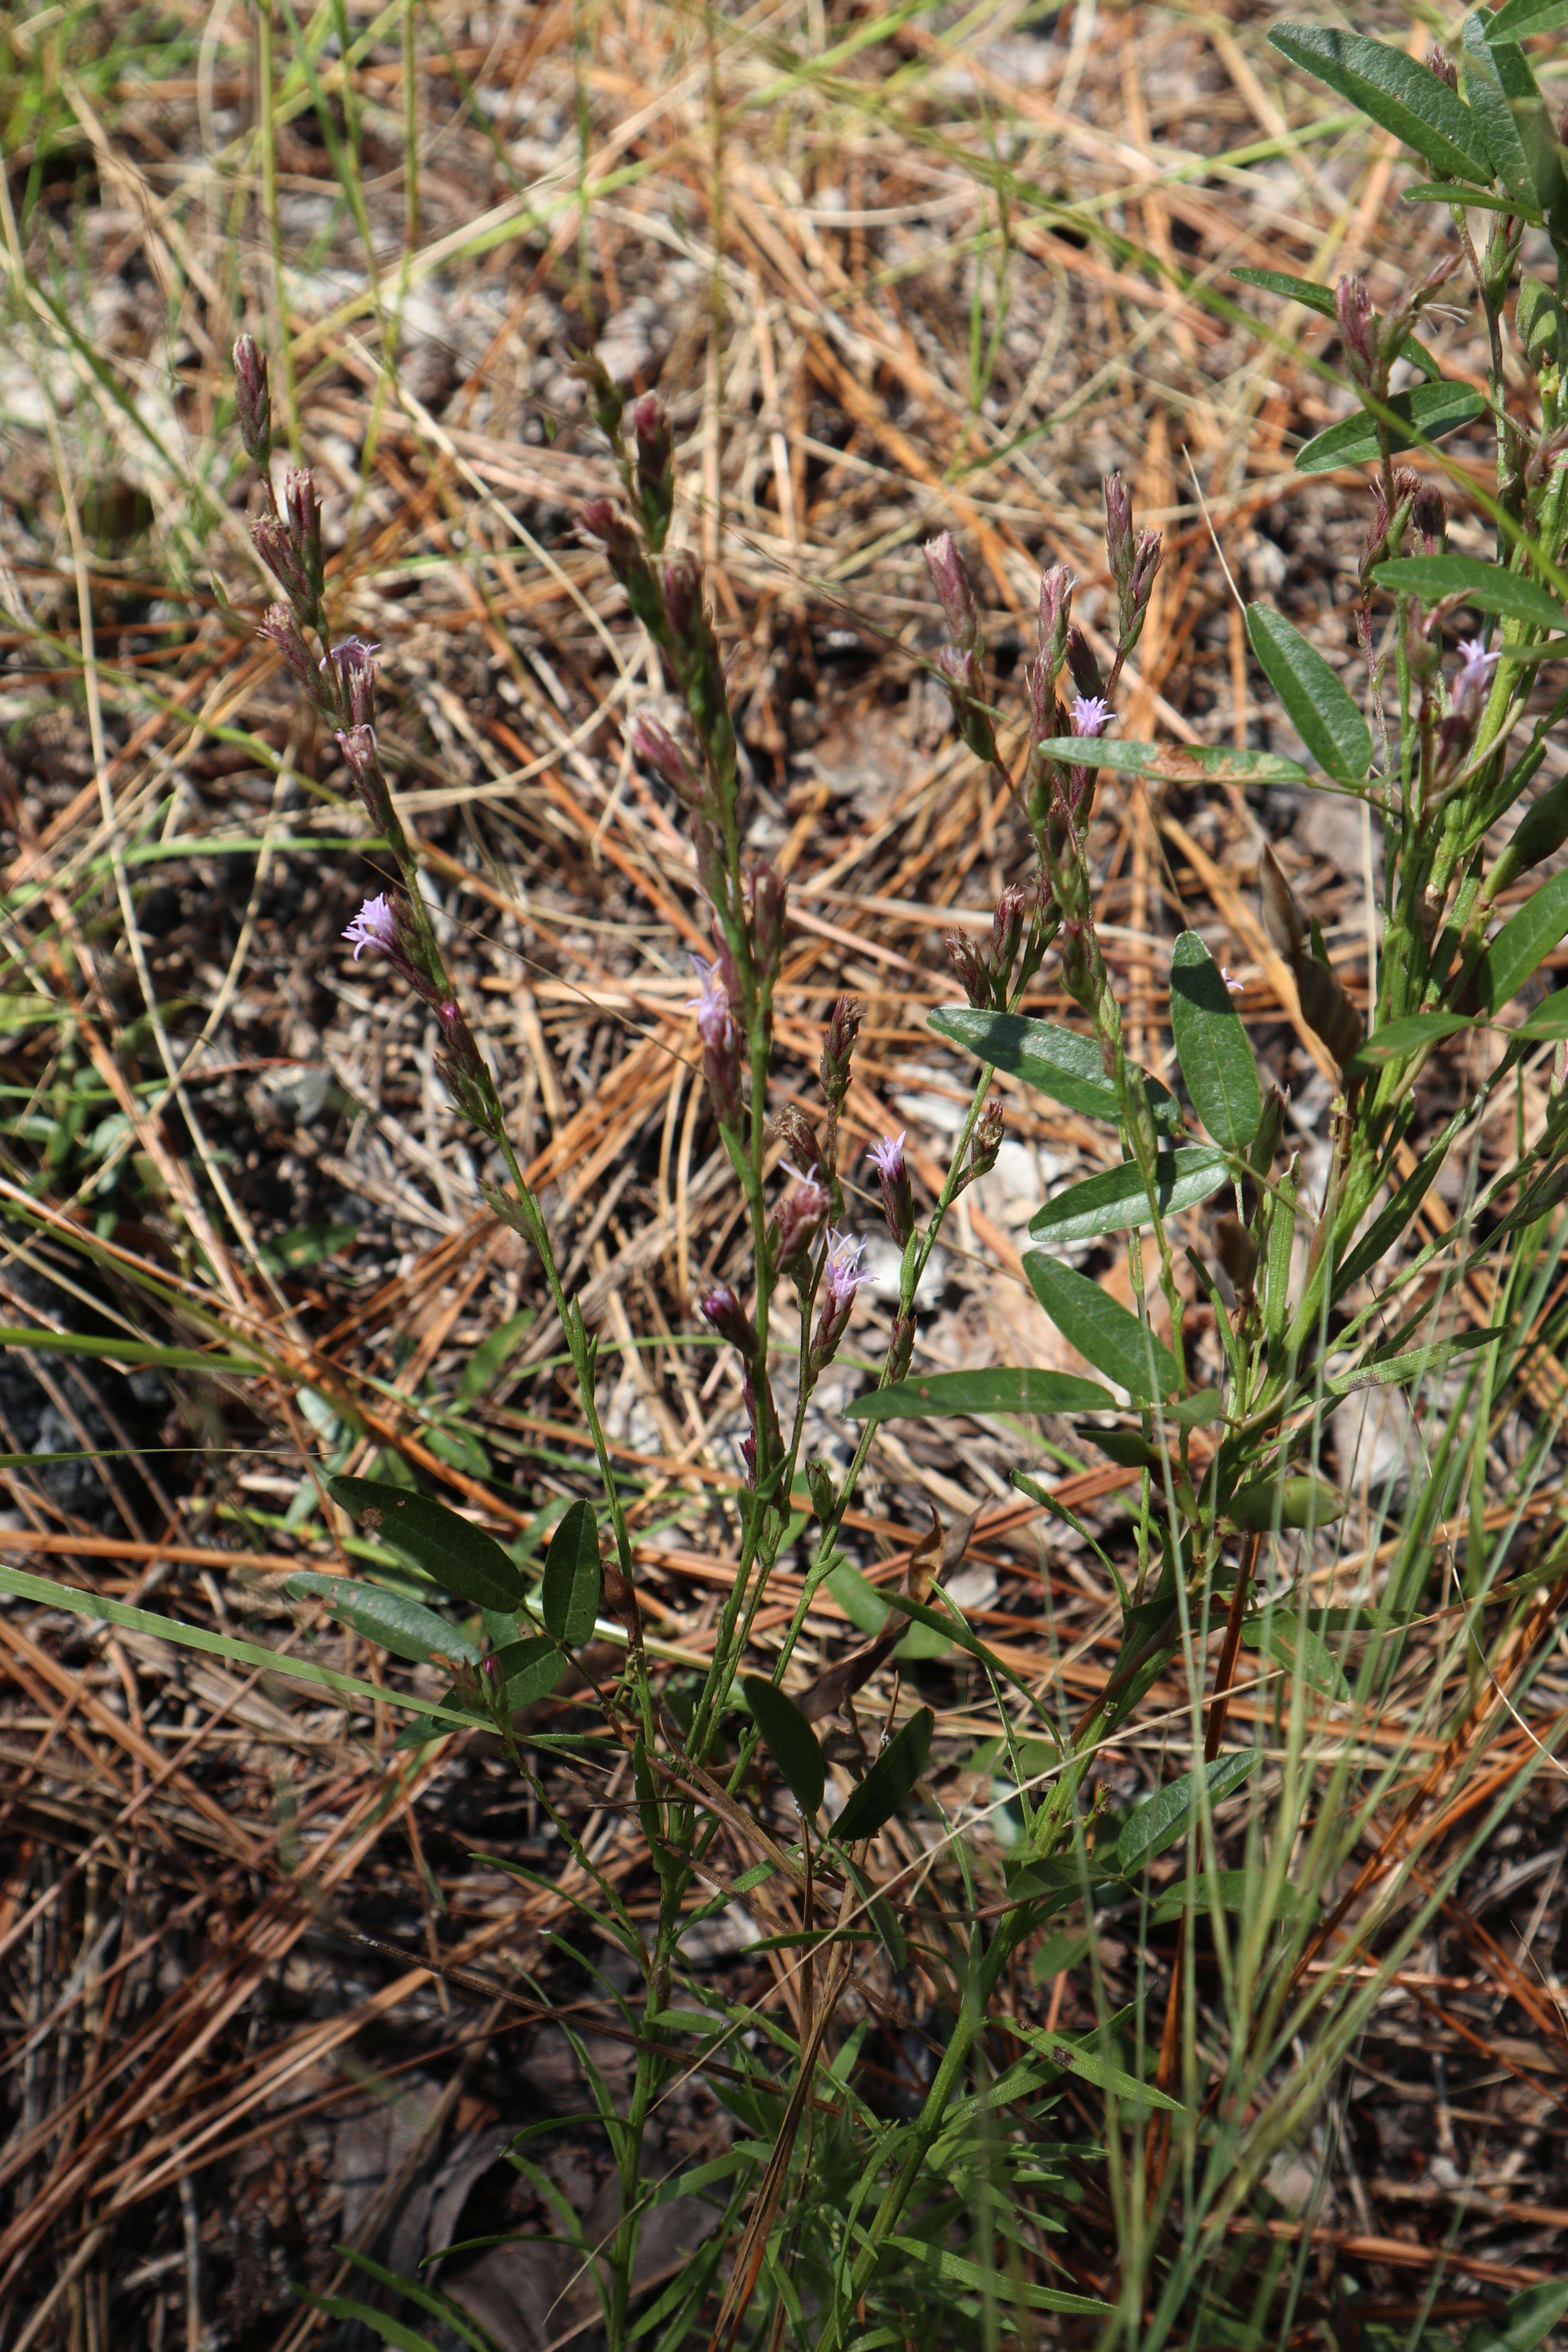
(951, 581)
(649, 421)
(898, 1195)
(253, 402)
(275, 545)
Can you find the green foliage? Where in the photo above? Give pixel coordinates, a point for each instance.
(570, 1598)
(790, 1739)
(1115, 1342)
(1002, 1389)
(1119, 1202)
(889, 1781)
(449, 1549)
(1316, 704)
(1211, 1046)
(1153, 1827)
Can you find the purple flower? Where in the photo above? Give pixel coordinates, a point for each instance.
(897, 1198)
(1091, 714)
(712, 1007)
(1470, 686)
(842, 1273)
(887, 1157)
(353, 662)
(375, 926)
(720, 1041)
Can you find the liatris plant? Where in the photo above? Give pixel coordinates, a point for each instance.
(1444, 744)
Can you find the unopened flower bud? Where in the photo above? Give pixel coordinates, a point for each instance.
(802, 1214)
(649, 421)
(605, 400)
(898, 1195)
(302, 511)
(683, 605)
(823, 1493)
(1006, 933)
(900, 1353)
(1430, 518)
(973, 977)
(1357, 323)
(1119, 528)
(279, 628)
(951, 581)
(961, 672)
(1082, 667)
(253, 402)
(350, 665)
(1440, 63)
(275, 545)
(1056, 612)
(768, 892)
(837, 1048)
(657, 748)
(721, 1308)
(798, 1136)
(986, 1141)
(1133, 602)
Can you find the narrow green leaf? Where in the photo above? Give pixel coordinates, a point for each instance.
(438, 2306)
(391, 2331)
(1421, 414)
(866, 1608)
(570, 1598)
(47, 1593)
(1392, 91)
(1164, 1816)
(1507, 103)
(1397, 1038)
(1280, 1635)
(1211, 1046)
(1517, 20)
(1091, 2067)
(529, 1671)
(1110, 1338)
(1446, 192)
(1056, 1061)
(1176, 763)
(404, 1627)
(1520, 946)
(1548, 1020)
(1235, 1890)
(1274, 1501)
(492, 1357)
(1528, 2320)
(1486, 587)
(791, 1741)
(108, 1348)
(1317, 705)
(450, 1551)
(1313, 297)
(887, 1782)
(996, 2283)
(1410, 1364)
(1006, 1387)
(1119, 1200)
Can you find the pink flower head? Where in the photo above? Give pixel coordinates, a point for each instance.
(375, 926)
(712, 1007)
(1471, 684)
(1236, 987)
(843, 1268)
(1091, 714)
(887, 1157)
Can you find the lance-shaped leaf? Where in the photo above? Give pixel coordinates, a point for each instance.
(791, 1741)
(1423, 413)
(1161, 1819)
(1522, 942)
(1316, 704)
(1119, 1200)
(1313, 297)
(1486, 587)
(1507, 103)
(1175, 764)
(448, 1549)
(889, 1781)
(1005, 1388)
(1394, 90)
(1397, 1038)
(1517, 20)
(1103, 1332)
(1274, 1501)
(570, 1598)
(1280, 1635)
(1085, 2062)
(1056, 1061)
(1211, 1046)
(404, 1627)
(528, 1670)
